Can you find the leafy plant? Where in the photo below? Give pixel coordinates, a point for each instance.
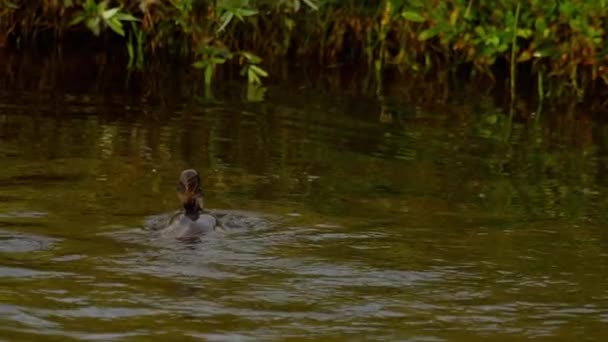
(95, 15)
(135, 46)
(211, 58)
(230, 9)
(252, 68)
(563, 41)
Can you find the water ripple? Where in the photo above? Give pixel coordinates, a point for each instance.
(21, 243)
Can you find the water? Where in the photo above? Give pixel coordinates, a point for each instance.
(382, 220)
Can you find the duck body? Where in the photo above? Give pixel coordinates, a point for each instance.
(194, 222)
(185, 228)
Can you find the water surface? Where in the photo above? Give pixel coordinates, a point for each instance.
(385, 220)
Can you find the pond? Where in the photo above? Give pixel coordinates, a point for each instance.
(385, 219)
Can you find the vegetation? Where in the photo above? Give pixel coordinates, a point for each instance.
(560, 44)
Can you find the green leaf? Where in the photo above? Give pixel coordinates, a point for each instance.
(413, 16)
(200, 64)
(101, 7)
(540, 24)
(289, 23)
(454, 17)
(225, 19)
(90, 5)
(130, 50)
(126, 17)
(429, 33)
(492, 40)
(208, 73)
(524, 56)
(544, 51)
(251, 57)
(79, 18)
(417, 3)
(311, 4)
(252, 77)
(246, 12)
(524, 33)
(93, 25)
(567, 9)
(258, 71)
(116, 26)
(110, 13)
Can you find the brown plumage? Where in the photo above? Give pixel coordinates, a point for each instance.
(190, 193)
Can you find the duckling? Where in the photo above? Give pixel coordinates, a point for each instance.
(193, 222)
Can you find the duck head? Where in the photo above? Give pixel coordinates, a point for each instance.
(190, 193)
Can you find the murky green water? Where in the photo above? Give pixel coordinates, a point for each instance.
(383, 220)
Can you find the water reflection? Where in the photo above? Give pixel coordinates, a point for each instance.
(386, 219)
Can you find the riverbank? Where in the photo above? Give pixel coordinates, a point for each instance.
(526, 47)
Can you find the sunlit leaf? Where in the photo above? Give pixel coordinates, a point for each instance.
(524, 56)
(311, 4)
(110, 13)
(493, 40)
(258, 70)
(226, 18)
(429, 33)
(126, 17)
(116, 26)
(454, 17)
(524, 33)
(251, 57)
(93, 25)
(252, 77)
(413, 16)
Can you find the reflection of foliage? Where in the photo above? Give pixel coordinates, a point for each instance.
(291, 149)
(466, 156)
